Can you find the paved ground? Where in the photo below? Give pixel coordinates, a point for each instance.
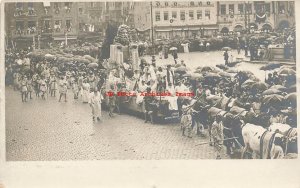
(195, 59)
(49, 130)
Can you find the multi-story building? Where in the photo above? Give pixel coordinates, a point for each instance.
(172, 19)
(284, 14)
(42, 23)
(256, 15)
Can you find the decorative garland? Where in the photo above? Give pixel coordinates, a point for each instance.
(260, 19)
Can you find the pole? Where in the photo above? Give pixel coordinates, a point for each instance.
(39, 42)
(33, 43)
(152, 31)
(66, 38)
(246, 10)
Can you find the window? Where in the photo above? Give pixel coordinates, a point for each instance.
(157, 16)
(19, 5)
(191, 14)
(30, 5)
(207, 14)
(47, 25)
(68, 25)
(56, 5)
(182, 15)
(80, 10)
(92, 4)
(223, 9)
(19, 25)
(174, 14)
(231, 9)
(57, 25)
(31, 24)
(30, 9)
(249, 8)
(199, 14)
(192, 3)
(166, 15)
(68, 7)
(31, 27)
(241, 8)
(166, 4)
(267, 7)
(200, 3)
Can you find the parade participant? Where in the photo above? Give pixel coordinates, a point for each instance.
(85, 91)
(199, 91)
(186, 120)
(217, 135)
(53, 86)
(75, 88)
(182, 63)
(207, 46)
(63, 88)
(16, 77)
(111, 101)
(95, 101)
(149, 108)
(24, 88)
(169, 76)
(43, 88)
(226, 56)
(80, 81)
(29, 88)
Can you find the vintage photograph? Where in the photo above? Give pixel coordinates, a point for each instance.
(150, 80)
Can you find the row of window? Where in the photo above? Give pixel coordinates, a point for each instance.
(175, 4)
(259, 8)
(30, 5)
(191, 15)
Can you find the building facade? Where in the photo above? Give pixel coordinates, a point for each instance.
(175, 19)
(254, 15)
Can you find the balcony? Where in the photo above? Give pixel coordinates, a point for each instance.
(22, 13)
(30, 32)
(46, 31)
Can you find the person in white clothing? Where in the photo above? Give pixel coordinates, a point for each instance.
(95, 100)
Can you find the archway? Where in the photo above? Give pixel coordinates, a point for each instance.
(253, 26)
(283, 24)
(224, 30)
(238, 28)
(266, 27)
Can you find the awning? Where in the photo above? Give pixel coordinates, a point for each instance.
(63, 38)
(46, 4)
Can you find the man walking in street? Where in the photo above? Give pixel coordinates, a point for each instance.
(226, 56)
(217, 135)
(95, 100)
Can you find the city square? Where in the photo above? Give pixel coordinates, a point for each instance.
(228, 67)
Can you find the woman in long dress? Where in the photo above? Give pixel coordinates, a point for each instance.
(63, 88)
(85, 91)
(43, 88)
(53, 86)
(24, 89)
(95, 100)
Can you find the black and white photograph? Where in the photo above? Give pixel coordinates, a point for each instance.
(150, 80)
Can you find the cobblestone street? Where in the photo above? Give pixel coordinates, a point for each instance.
(49, 130)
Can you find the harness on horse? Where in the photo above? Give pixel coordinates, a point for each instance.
(288, 134)
(269, 145)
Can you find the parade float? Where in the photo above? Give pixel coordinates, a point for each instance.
(121, 65)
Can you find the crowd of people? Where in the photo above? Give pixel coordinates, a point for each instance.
(102, 82)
